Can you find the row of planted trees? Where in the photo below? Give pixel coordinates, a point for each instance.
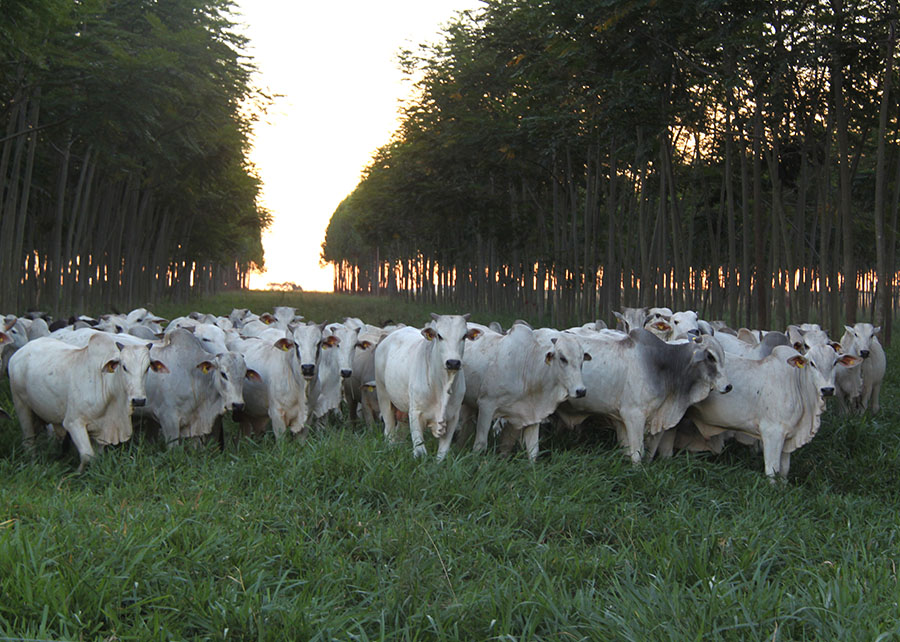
(566, 158)
(123, 169)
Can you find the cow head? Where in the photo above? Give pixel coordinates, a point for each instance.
(565, 361)
(824, 362)
(448, 333)
(131, 367)
(308, 340)
(228, 372)
(685, 325)
(347, 339)
(709, 361)
(861, 337)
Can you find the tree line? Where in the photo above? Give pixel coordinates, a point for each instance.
(123, 155)
(565, 158)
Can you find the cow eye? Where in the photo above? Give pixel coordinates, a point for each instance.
(564, 361)
(224, 376)
(711, 357)
(440, 337)
(124, 368)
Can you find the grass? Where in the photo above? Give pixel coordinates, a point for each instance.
(344, 537)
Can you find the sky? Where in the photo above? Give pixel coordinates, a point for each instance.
(335, 66)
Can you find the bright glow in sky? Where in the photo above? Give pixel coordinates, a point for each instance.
(335, 65)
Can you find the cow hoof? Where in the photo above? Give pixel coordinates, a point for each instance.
(419, 451)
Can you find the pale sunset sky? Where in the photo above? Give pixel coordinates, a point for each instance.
(335, 64)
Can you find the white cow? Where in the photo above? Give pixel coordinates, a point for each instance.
(189, 402)
(777, 400)
(359, 387)
(644, 385)
(335, 365)
(419, 372)
(89, 391)
(286, 367)
(521, 379)
(861, 340)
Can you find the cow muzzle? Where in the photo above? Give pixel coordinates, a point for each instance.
(138, 402)
(237, 407)
(453, 364)
(346, 373)
(864, 354)
(580, 393)
(827, 392)
(308, 370)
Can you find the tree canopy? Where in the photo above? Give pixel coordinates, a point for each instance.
(123, 162)
(568, 157)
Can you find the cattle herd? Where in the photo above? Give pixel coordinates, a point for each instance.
(665, 381)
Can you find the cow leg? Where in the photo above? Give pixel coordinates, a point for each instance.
(78, 431)
(278, 424)
(509, 436)
(772, 445)
(26, 420)
(368, 409)
(415, 431)
(634, 432)
(785, 465)
(532, 435)
(483, 426)
(447, 438)
(667, 443)
(651, 445)
(386, 408)
(876, 390)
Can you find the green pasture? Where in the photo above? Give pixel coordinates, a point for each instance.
(343, 537)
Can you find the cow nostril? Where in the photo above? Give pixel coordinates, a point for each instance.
(580, 392)
(864, 354)
(453, 364)
(138, 402)
(237, 406)
(728, 388)
(827, 392)
(308, 369)
(346, 373)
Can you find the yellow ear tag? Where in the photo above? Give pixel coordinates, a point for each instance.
(204, 369)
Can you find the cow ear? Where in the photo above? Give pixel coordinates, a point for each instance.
(548, 358)
(205, 366)
(837, 347)
(467, 315)
(267, 318)
(662, 326)
(850, 361)
(4, 338)
(435, 316)
(697, 340)
(797, 361)
(473, 334)
(252, 375)
(876, 330)
(364, 345)
(119, 345)
(588, 357)
(284, 344)
(849, 329)
(111, 365)
(158, 366)
(331, 341)
(429, 333)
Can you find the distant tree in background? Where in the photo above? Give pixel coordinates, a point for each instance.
(565, 158)
(123, 156)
